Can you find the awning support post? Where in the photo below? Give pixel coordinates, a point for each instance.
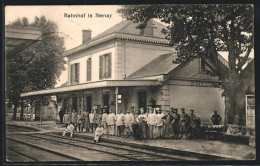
(41, 113)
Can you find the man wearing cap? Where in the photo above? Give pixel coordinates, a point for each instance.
(176, 123)
(151, 121)
(104, 120)
(184, 120)
(159, 124)
(128, 121)
(216, 118)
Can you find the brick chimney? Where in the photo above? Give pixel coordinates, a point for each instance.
(148, 30)
(86, 36)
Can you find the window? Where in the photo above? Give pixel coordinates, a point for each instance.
(74, 73)
(89, 69)
(105, 66)
(202, 64)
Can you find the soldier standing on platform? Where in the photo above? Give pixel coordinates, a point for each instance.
(216, 118)
(74, 119)
(120, 124)
(176, 123)
(91, 121)
(104, 121)
(80, 121)
(168, 119)
(111, 117)
(142, 120)
(194, 124)
(151, 121)
(128, 120)
(159, 124)
(184, 120)
(86, 120)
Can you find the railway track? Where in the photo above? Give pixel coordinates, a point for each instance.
(28, 152)
(123, 152)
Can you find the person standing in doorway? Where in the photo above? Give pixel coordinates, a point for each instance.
(61, 114)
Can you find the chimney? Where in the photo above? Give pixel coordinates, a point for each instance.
(86, 36)
(148, 30)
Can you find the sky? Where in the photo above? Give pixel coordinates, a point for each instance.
(72, 27)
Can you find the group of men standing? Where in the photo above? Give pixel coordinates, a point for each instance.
(150, 125)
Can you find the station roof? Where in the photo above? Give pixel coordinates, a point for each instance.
(92, 85)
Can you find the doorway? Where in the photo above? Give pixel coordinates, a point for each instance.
(142, 100)
(74, 103)
(106, 101)
(89, 103)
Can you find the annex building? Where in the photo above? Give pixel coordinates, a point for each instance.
(125, 67)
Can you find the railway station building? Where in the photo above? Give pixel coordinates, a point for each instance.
(125, 67)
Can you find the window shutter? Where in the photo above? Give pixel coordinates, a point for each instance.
(89, 70)
(100, 67)
(109, 65)
(77, 71)
(71, 74)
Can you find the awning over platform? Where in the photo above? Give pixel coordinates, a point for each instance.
(91, 85)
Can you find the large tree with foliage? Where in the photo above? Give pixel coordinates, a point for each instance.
(37, 66)
(201, 31)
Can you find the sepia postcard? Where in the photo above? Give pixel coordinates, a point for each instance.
(161, 82)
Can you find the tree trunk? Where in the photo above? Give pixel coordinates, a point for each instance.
(15, 111)
(22, 109)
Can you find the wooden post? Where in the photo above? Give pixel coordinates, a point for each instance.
(41, 112)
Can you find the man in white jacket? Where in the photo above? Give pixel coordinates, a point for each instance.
(111, 117)
(151, 121)
(120, 123)
(159, 124)
(99, 131)
(69, 129)
(128, 120)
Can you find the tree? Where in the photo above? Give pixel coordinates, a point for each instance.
(37, 66)
(201, 31)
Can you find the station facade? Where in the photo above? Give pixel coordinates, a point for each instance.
(125, 67)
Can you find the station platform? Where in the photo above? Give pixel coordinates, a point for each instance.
(211, 148)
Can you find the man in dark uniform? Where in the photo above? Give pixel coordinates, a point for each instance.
(176, 123)
(184, 123)
(216, 118)
(194, 123)
(168, 119)
(61, 114)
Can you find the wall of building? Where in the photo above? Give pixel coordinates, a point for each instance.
(203, 100)
(131, 56)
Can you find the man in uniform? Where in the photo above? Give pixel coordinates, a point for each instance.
(159, 124)
(104, 121)
(142, 120)
(216, 118)
(176, 123)
(151, 121)
(120, 124)
(74, 119)
(184, 119)
(128, 120)
(194, 122)
(111, 117)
